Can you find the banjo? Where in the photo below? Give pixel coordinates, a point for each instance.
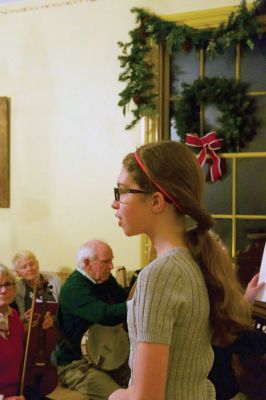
(105, 347)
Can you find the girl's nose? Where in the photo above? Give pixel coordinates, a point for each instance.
(115, 204)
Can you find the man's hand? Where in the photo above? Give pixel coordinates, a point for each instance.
(48, 320)
(26, 319)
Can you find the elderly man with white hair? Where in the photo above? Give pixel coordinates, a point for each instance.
(91, 295)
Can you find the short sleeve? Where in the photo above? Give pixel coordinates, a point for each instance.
(159, 296)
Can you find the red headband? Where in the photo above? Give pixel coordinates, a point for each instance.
(144, 169)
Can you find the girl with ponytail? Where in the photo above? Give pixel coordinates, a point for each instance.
(188, 297)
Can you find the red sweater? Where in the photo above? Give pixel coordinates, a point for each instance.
(11, 356)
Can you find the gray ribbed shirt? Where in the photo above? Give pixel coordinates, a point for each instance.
(171, 306)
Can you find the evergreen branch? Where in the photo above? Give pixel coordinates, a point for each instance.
(241, 27)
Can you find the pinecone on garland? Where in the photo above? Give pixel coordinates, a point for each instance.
(187, 46)
(138, 100)
(142, 30)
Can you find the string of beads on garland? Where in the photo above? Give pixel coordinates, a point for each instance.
(139, 94)
(236, 122)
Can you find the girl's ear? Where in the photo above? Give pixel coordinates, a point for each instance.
(158, 202)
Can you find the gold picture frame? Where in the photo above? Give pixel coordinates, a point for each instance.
(4, 152)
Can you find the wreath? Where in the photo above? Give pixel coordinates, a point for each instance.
(236, 121)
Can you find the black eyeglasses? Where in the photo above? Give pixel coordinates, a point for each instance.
(7, 286)
(119, 191)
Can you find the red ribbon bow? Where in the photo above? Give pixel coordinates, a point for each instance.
(209, 144)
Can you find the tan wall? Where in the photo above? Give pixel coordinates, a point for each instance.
(59, 67)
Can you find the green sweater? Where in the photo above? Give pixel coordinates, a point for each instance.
(83, 303)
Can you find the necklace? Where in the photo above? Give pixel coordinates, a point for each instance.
(4, 324)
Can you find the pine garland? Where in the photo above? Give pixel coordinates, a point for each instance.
(139, 94)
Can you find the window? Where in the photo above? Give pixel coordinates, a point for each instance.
(237, 202)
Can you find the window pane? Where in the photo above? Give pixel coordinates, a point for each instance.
(253, 65)
(218, 195)
(184, 68)
(224, 230)
(223, 65)
(246, 227)
(173, 133)
(251, 186)
(258, 143)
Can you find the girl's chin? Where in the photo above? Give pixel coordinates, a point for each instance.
(127, 230)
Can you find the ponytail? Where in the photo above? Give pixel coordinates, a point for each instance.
(230, 312)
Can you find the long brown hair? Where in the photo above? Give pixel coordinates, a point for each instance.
(175, 168)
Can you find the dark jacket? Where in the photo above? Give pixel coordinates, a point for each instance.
(83, 303)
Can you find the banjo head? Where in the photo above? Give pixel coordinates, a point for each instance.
(105, 347)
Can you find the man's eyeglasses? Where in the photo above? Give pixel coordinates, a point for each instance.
(119, 191)
(7, 286)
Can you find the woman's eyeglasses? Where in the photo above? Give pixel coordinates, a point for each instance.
(7, 286)
(119, 191)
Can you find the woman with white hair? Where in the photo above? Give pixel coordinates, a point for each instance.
(27, 268)
(11, 338)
